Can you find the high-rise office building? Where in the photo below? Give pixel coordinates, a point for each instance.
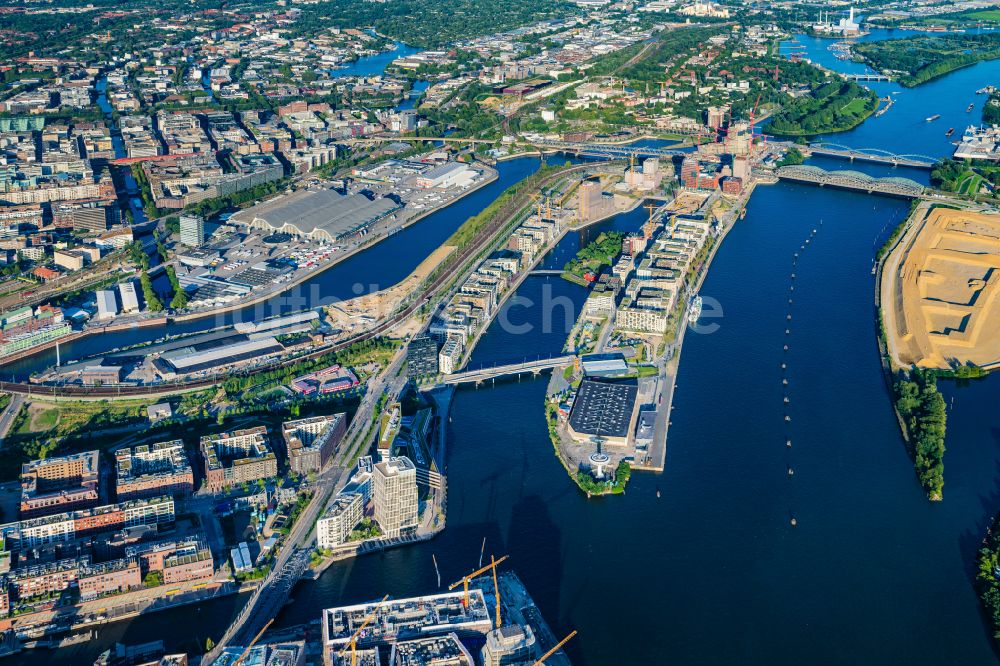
(192, 230)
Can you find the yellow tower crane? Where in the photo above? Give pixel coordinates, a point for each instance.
(648, 227)
(465, 580)
(353, 643)
(554, 649)
(496, 589)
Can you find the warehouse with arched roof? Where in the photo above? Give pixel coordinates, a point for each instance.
(324, 214)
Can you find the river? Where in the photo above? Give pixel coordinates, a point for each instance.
(712, 570)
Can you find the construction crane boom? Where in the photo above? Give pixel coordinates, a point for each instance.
(246, 650)
(465, 580)
(496, 589)
(554, 649)
(352, 644)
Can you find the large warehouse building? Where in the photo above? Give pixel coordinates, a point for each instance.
(603, 410)
(324, 215)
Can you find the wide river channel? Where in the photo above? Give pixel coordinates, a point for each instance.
(709, 569)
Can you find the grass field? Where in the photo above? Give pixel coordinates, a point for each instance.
(983, 15)
(970, 183)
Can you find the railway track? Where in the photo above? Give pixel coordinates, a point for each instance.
(484, 239)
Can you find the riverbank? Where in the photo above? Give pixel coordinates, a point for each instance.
(263, 297)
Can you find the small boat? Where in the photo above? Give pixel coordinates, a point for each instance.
(970, 107)
(951, 130)
(931, 119)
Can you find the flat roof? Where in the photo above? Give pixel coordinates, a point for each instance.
(603, 408)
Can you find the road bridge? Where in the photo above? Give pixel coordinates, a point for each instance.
(547, 271)
(871, 76)
(851, 180)
(871, 155)
(482, 374)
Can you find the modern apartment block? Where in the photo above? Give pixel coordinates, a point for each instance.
(348, 508)
(72, 525)
(422, 357)
(394, 487)
(241, 456)
(312, 442)
(150, 470)
(60, 484)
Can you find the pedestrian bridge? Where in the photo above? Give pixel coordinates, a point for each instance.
(482, 374)
(851, 180)
(596, 149)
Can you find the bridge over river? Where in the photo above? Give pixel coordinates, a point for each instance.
(492, 372)
(851, 180)
(827, 149)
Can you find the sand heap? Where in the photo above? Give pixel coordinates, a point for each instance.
(946, 308)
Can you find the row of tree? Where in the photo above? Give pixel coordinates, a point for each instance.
(922, 408)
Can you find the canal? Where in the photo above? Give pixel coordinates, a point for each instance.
(711, 570)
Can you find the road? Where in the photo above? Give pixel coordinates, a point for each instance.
(9, 414)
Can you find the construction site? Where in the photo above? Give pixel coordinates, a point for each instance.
(939, 291)
(491, 621)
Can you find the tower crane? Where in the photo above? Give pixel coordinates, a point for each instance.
(496, 589)
(647, 229)
(353, 643)
(465, 580)
(554, 649)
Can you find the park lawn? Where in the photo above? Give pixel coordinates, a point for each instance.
(983, 15)
(970, 183)
(855, 107)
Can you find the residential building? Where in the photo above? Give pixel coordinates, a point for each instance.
(422, 357)
(394, 487)
(151, 470)
(450, 356)
(312, 442)
(60, 484)
(232, 458)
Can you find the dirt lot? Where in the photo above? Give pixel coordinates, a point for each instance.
(941, 291)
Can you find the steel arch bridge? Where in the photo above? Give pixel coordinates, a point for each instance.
(852, 180)
(872, 154)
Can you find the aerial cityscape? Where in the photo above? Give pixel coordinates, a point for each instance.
(340, 332)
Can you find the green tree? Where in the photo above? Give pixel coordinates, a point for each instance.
(153, 302)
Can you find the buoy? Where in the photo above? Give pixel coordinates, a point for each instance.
(788, 443)
(789, 301)
(789, 317)
(783, 366)
(791, 288)
(784, 381)
(796, 255)
(788, 331)
(787, 418)
(787, 400)
(786, 347)
(657, 493)
(794, 522)
(791, 472)
(793, 276)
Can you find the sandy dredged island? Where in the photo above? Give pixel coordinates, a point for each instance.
(940, 291)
